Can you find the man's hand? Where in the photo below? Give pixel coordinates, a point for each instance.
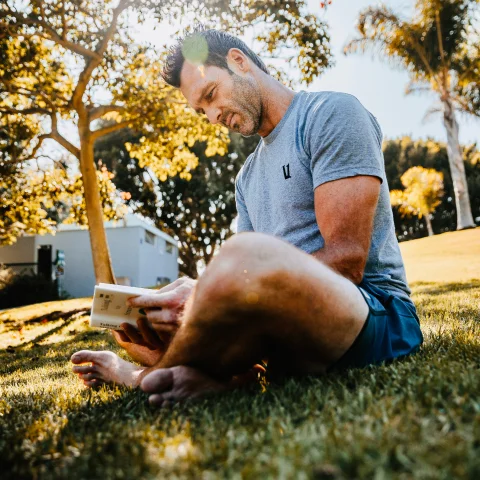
(165, 307)
(146, 355)
(163, 310)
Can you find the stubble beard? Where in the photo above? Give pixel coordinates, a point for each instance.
(249, 103)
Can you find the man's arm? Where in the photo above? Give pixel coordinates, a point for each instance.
(345, 210)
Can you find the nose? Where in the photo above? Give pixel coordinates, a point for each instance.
(214, 115)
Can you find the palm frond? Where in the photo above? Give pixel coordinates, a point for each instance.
(433, 110)
(426, 45)
(416, 86)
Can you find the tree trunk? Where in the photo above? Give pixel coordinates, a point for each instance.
(102, 262)
(457, 168)
(429, 225)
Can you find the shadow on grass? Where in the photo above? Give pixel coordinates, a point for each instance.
(433, 288)
(35, 356)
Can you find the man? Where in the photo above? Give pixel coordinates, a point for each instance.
(317, 284)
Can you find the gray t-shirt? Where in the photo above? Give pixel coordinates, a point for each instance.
(322, 137)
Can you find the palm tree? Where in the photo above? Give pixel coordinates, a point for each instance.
(439, 48)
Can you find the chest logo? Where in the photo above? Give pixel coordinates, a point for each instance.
(286, 171)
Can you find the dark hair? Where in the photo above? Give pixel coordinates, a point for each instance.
(219, 43)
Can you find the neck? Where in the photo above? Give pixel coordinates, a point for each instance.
(276, 98)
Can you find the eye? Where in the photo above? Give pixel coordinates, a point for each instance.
(210, 94)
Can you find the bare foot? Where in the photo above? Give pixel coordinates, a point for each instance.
(106, 367)
(179, 383)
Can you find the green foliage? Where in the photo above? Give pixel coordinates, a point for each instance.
(415, 419)
(423, 189)
(404, 153)
(73, 201)
(24, 206)
(34, 201)
(197, 212)
(44, 43)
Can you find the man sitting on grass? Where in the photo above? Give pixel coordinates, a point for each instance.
(319, 283)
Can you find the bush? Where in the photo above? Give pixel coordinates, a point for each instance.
(19, 289)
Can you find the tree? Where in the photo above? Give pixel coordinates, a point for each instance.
(61, 60)
(199, 212)
(439, 48)
(34, 201)
(423, 189)
(403, 153)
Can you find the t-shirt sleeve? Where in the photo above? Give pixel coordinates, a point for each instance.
(243, 220)
(343, 139)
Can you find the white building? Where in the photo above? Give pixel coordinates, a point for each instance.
(142, 255)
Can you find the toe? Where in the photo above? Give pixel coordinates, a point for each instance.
(93, 383)
(83, 356)
(156, 400)
(158, 381)
(84, 369)
(101, 358)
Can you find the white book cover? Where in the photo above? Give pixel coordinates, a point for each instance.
(110, 307)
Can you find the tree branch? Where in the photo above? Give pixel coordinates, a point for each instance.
(111, 128)
(53, 35)
(65, 144)
(26, 111)
(98, 112)
(93, 63)
(41, 138)
(55, 135)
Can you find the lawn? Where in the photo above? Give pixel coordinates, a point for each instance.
(417, 418)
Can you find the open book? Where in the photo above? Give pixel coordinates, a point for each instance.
(110, 308)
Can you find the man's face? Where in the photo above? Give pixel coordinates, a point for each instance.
(229, 99)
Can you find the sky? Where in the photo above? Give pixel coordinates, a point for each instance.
(378, 85)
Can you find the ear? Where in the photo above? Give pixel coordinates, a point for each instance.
(238, 62)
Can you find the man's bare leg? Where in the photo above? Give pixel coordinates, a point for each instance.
(260, 297)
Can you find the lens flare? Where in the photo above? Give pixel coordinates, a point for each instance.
(195, 49)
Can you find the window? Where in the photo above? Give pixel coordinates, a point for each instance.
(161, 246)
(149, 237)
(169, 248)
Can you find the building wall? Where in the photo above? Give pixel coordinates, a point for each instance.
(23, 251)
(156, 263)
(78, 280)
(140, 263)
(131, 258)
(124, 250)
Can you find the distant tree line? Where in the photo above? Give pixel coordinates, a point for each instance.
(404, 153)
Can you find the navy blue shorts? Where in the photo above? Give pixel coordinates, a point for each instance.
(392, 330)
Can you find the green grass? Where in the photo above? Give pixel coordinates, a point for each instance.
(417, 418)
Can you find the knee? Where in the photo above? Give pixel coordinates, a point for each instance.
(250, 249)
(236, 269)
